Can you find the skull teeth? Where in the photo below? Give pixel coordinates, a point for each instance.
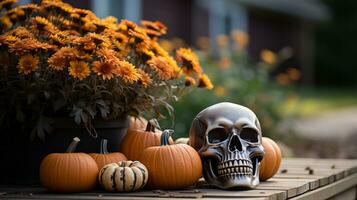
(235, 167)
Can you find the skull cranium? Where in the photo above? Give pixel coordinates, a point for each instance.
(228, 138)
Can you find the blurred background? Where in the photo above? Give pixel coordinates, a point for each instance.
(291, 61)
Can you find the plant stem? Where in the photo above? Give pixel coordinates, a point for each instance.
(104, 146)
(165, 136)
(72, 147)
(151, 125)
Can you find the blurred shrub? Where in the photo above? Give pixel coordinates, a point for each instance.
(237, 79)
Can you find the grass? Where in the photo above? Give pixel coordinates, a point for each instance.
(313, 101)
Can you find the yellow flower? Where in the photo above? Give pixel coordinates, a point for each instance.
(162, 67)
(128, 72)
(240, 38)
(106, 70)
(222, 41)
(78, 69)
(220, 91)
(144, 78)
(268, 56)
(283, 79)
(5, 23)
(294, 74)
(189, 61)
(28, 64)
(205, 82)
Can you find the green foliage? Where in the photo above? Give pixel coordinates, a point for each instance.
(240, 81)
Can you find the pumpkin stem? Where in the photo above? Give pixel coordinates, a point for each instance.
(104, 146)
(151, 125)
(165, 136)
(72, 147)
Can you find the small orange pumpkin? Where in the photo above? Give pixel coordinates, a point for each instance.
(137, 140)
(104, 157)
(138, 123)
(171, 166)
(271, 161)
(69, 172)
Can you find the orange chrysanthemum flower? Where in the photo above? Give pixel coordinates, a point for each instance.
(125, 25)
(20, 32)
(78, 69)
(128, 72)
(189, 61)
(154, 29)
(144, 78)
(8, 39)
(43, 24)
(204, 82)
(28, 64)
(108, 55)
(7, 4)
(106, 70)
(57, 62)
(5, 23)
(86, 42)
(189, 81)
(144, 48)
(29, 44)
(162, 67)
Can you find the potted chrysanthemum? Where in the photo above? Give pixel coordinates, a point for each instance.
(63, 70)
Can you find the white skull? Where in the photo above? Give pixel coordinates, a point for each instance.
(228, 138)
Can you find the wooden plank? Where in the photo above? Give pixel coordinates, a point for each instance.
(350, 194)
(268, 194)
(330, 190)
(291, 186)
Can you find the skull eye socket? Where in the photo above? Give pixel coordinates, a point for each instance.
(249, 135)
(217, 135)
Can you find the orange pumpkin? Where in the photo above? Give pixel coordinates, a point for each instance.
(104, 157)
(138, 123)
(137, 140)
(171, 166)
(69, 172)
(271, 161)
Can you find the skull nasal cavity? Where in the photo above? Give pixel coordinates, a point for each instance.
(235, 144)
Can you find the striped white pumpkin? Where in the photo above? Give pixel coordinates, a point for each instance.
(124, 176)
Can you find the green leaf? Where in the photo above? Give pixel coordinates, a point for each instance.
(58, 104)
(43, 126)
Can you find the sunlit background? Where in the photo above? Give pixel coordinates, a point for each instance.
(292, 61)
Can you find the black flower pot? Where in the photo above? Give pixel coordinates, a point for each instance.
(21, 157)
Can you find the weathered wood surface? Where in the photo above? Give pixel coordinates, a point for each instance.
(297, 179)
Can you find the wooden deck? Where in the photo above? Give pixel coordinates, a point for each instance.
(297, 179)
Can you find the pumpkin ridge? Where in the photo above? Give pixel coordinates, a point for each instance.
(123, 178)
(78, 167)
(191, 160)
(173, 164)
(134, 184)
(114, 184)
